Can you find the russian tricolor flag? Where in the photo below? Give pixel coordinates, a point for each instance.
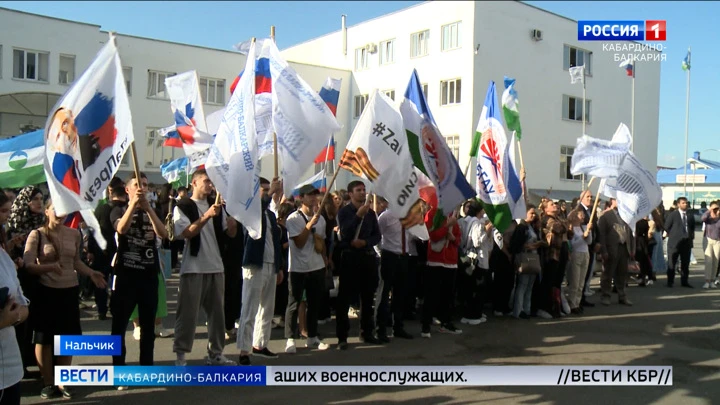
(318, 181)
(330, 93)
(263, 80)
(629, 67)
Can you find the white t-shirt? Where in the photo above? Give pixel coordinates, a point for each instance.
(208, 260)
(11, 361)
(306, 259)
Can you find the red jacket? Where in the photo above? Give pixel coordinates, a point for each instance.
(449, 255)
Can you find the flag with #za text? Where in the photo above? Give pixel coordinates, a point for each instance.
(232, 163)
(431, 154)
(87, 135)
(378, 152)
(498, 186)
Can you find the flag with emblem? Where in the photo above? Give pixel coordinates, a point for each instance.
(431, 154)
(176, 172)
(498, 186)
(21, 160)
(87, 134)
(190, 130)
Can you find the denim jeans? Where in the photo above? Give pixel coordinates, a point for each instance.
(523, 293)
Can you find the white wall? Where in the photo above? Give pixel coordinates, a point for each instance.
(506, 48)
(502, 31)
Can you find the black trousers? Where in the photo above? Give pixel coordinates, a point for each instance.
(358, 278)
(313, 284)
(101, 294)
(681, 251)
(503, 281)
(10, 395)
(551, 272)
(233, 294)
(413, 282)
(394, 273)
(133, 288)
(472, 292)
(281, 294)
(439, 285)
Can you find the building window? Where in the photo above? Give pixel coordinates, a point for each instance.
(212, 90)
(360, 102)
(387, 52)
(419, 42)
(451, 36)
(566, 153)
(573, 57)
(450, 92)
(156, 84)
(30, 65)
(453, 143)
(67, 69)
(127, 74)
(572, 109)
(425, 90)
(155, 153)
(362, 59)
(390, 93)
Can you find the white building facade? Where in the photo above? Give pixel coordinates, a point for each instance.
(40, 57)
(459, 47)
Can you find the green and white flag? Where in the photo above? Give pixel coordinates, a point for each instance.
(510, 108)
(21, 160)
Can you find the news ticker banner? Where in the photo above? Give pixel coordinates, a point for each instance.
(163, 376)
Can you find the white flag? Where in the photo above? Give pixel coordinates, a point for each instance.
(232, 164)
(189, 115)
(601, 158)
(378, 152)
(635, 189)
(577, 74)
(302, 120)
(87, 136)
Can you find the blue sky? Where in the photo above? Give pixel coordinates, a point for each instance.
(222, 24)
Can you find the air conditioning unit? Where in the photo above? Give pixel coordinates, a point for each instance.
(536, 35)
(372, 48)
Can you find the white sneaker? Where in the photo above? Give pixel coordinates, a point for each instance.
(123, 388)
(136, 333)
(477, 321)
(706, 286)
(180, 360)
(497, 313)
(426, 335)
(543, 314)
(649, 283)
(220, 360)
(162, 332)
(352, 313)
(290, 347)
(713, 286)
(436, 321)
(315, 343)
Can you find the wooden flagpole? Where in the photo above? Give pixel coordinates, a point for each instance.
(595, 206)
(275, 142)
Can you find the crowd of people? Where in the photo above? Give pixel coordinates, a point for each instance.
(346, 255)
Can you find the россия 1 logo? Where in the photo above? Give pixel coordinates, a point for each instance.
(648, 30)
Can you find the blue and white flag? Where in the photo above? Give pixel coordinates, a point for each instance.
(601, 158)
(175, 171)
(21, 160)
(232, 164)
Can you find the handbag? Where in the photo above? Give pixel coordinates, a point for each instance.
(528, 263)
(633, 267)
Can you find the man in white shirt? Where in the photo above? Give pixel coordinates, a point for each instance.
(261, 274)
(202, 280)
(394, 273)
(306, 267)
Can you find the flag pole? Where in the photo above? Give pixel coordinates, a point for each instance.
(632, 109)
(275, 142)
(327, 189)
(687, 122)
(522, 168)
(595, 206)
(583, 118)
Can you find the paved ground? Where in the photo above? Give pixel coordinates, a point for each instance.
(677, 327)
